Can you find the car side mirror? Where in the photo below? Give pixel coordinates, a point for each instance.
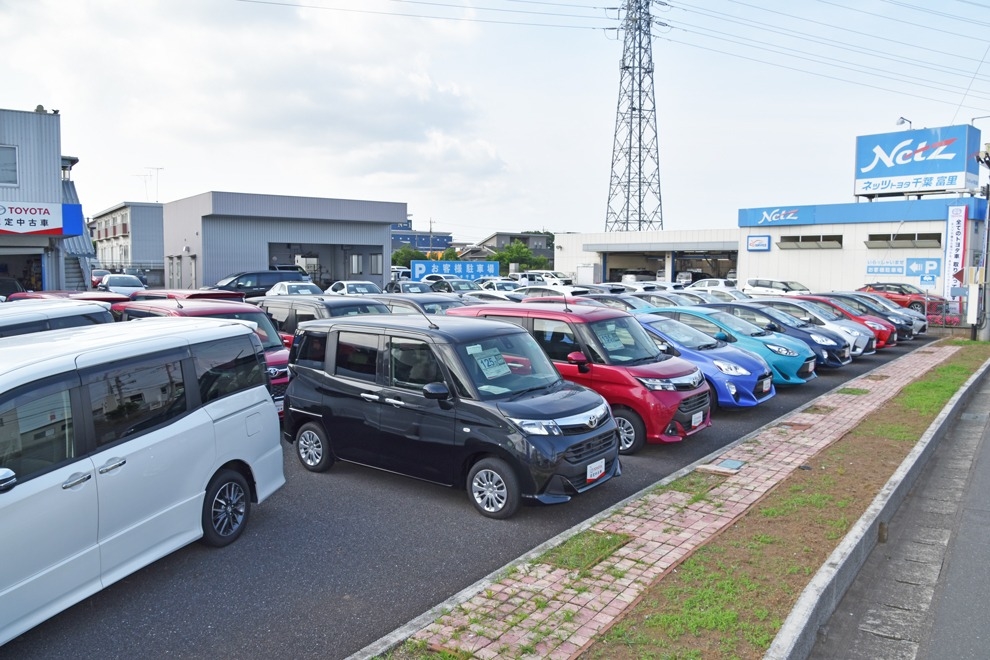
(772, 327)
(579, 358)
(437, 391)
(723, 336)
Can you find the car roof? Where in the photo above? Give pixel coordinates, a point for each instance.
(446, 328)
(327, 300)
(35, 355)
(33, 307)
(574, 312)
(189, 307)
(416, 297)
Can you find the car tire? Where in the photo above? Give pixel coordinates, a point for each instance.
(632, 431)
(313, 447)
(493, 488)
(226, 508)
(917, 306)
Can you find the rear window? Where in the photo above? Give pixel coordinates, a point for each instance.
(356, 356)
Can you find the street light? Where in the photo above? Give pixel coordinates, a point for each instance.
(980, 117)
(902, 120)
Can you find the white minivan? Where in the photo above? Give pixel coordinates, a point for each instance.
(40, 314)
(120, 443)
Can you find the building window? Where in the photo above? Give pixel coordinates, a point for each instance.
(8, 166)
(886, 241)
(357, 264)
(376, 264)
(811, 242)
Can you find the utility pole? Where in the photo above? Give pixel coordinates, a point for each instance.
(156, 170)
(634, 191)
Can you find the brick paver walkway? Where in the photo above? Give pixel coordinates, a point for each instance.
(538, 610)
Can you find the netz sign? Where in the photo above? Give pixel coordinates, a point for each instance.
(922, 161)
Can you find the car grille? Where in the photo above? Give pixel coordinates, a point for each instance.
(693, 404)
(585, 451)
(278, 391)
(807, 368)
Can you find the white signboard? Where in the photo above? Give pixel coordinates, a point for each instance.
(955, 248)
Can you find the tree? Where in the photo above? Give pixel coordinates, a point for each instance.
(516, 252)
(450, 254)
(406, 254)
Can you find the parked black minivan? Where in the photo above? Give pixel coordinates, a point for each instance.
(463, 402)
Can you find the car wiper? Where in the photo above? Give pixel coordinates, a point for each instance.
(518, 394)
(708, 347)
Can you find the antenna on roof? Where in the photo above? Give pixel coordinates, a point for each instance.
(433, 326)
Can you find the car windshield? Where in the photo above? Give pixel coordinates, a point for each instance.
(910, 288)
(296, 289)
(505, 286)
(683, 334)
(783, 317)
(737, 324)
(441, 307)
(266, 329)
(359, 308)
(623, 340)
(124, 280)
(794, 286)
(884, 302)
(464, 285)
(507, 365)
(363, 287)
(841, 304)
(415, 287)
(823, 310)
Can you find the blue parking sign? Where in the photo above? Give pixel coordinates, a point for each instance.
(919, 267)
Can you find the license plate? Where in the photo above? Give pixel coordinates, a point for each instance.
(279, 405)
(596, 470)
(766, 385)
(697, 418)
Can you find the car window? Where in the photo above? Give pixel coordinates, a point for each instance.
(356, 356)
(132, 399)
(226, 367)
(504, 365)
(310, 350)
(699, 323)
(412, 364)
(624, 341)
(557, 338)
(36, 430)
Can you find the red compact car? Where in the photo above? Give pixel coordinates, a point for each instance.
(883, 330)
(908, 295)
(654, 397)
(186, 294)
(276, 355)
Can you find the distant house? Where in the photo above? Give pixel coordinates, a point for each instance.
(540, 244)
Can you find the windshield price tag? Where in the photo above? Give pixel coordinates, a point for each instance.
(610, 341)
(596, 470)
(492, 363)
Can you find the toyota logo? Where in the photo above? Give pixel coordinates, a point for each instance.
(273, 372)
(593, 421)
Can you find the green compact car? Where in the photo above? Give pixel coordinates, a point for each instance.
(790, 360)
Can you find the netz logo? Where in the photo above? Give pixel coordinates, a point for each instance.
(778, 214)
(903, 154)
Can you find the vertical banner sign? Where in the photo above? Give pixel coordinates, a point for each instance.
(955, 248)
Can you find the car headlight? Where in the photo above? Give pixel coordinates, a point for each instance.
(782, 350)
(658, 384)
(824, 341)
(537, 426)
(876, 326)
(687, 381)
(730, 368)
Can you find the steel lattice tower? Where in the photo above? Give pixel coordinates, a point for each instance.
(634, 191)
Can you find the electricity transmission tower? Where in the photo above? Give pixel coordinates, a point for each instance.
(634, 191)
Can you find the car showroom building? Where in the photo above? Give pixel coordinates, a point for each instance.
(919, 220)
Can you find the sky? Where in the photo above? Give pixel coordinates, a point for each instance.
(486, 115)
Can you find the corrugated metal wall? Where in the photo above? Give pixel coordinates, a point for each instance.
(147, 238)
(37, 136)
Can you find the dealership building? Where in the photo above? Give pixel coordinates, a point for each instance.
(920, 219)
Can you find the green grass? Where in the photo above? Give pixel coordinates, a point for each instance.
(584, 550)
(857, 391)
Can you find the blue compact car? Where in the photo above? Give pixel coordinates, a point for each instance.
(831, 349)
(739, 378)
(791, 361)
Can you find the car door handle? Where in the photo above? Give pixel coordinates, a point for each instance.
(112, 465)
(398, 403)
(370, 397)
(76, 479)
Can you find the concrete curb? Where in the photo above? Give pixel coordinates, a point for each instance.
(818, 601)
